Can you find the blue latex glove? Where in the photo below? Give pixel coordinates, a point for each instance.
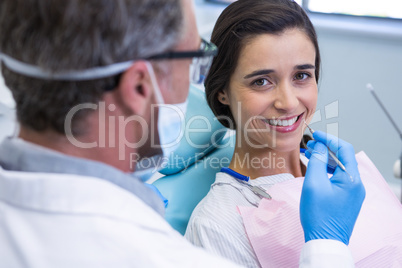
(329, 207)
(331, 162)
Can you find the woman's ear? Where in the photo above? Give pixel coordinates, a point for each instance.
(135, 88)
(223, 98)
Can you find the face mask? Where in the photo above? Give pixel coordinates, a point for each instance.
(170, 130)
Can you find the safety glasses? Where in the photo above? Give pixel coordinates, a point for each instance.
(202, 60)
(199, 68)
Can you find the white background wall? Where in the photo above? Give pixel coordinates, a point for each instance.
(349, 61)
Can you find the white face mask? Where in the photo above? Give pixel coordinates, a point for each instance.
(170, 129)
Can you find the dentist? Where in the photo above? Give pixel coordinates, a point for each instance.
(90, 79)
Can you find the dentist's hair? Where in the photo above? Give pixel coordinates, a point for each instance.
(74, 35)
(238, 24)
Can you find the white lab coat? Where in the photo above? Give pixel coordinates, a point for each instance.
(56, 220)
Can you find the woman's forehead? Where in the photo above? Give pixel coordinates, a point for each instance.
(292, 46)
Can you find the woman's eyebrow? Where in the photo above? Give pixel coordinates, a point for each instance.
(268, 71)
(304, 67)
(258, 72)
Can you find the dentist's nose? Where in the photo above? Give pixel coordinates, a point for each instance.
(286, 98)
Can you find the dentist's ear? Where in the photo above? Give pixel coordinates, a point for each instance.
(135, 89)
(223, 98)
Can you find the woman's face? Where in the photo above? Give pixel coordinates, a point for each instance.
(273, 90)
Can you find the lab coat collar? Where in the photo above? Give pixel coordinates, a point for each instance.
(19, 155)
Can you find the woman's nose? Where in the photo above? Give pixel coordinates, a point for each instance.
(286, 98)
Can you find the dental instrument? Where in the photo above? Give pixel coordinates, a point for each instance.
(331, 154)
(371, 88)
(257, 190)
(398, 163)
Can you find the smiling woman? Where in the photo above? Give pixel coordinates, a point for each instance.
(262, 84)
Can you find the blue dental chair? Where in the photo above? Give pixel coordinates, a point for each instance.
(203, 151)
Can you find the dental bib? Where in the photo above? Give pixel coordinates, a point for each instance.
(276, 235)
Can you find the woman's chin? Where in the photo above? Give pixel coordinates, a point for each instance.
(286, 147)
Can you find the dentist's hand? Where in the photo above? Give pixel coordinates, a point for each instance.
(329, 207)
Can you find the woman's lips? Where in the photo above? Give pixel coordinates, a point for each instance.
(286, 125)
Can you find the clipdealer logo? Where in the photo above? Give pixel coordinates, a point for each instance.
(112, 133)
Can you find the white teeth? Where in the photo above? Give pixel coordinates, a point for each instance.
(284, 123)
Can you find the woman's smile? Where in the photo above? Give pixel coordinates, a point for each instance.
(284, 124)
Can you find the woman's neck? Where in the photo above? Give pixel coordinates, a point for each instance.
(256, 163)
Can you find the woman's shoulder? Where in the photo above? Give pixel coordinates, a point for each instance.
(218, 211)
(223, 198)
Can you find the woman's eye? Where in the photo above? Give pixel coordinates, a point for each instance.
(261, 82)
(302, 76)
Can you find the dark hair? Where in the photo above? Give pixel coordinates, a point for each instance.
(74, 35)
(238, 23)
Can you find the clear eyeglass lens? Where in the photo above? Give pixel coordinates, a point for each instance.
(200, 65)
(203, 44)
(199, 69)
